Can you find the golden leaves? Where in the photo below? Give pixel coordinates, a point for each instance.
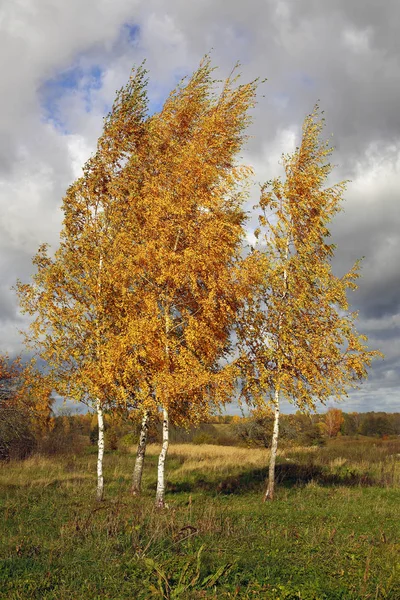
(152, 235)
(295, 333)
(27, 390)
(137, 305)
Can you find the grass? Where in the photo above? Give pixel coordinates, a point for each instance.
(332, 533)
(207, 457)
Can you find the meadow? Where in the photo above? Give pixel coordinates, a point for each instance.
(332, 533)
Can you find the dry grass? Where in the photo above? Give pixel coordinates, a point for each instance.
(40, 471)
(221, 459)
(210, 457)
(230, 455)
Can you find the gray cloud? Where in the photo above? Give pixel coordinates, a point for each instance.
(347, 55)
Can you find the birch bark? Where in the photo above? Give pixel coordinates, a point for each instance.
(269, 494)
(100, 455)
(160, 493)
(141, 451)
(99, 409)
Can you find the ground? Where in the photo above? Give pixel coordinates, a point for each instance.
(332, 532)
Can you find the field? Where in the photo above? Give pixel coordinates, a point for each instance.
(332, 533)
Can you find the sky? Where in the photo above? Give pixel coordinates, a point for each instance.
(61, 63)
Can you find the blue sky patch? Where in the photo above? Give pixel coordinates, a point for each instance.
(158, 93)
(75, 80)
(131, 31)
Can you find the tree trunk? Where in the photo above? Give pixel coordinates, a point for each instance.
(141, 451)
(269, 494)
(100, 479)
(160, 494)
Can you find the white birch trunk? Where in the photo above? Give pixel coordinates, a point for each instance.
(141, 452)
(100, 455)
(100, 415)
(269, 494)
(160, 493)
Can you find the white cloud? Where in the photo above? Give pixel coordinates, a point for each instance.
(358, 41)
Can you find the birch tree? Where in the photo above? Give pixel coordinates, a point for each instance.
(140, 454)
(136, 307)
(74, 295)
(182, 241)
(297, 336)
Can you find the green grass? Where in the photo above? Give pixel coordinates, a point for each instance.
(331, 534)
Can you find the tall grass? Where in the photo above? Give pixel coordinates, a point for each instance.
(364, 462)
(209, 457)
(330, 535)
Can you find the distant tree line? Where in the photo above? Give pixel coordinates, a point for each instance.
(315, 429)
(68, 433)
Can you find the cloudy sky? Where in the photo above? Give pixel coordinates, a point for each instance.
(61, 63)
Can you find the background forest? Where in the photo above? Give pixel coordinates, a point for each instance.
(72, 434)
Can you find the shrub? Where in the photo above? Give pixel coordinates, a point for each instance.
(111, 439)
(17, 440)
(203, 438)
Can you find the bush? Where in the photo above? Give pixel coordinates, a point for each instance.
(312, 436)
(17, 440)
(94, 435)
(111, 439)
(255, 430)
(60, 443)
(203, 438)
(65, 438)
(128, 440)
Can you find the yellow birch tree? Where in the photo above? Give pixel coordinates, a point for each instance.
(136, 306)
(297, 337)
(74, 297)
(180, 247)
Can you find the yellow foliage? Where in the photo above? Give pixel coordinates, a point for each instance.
(29, 392)
(136, 307)
(297, 337)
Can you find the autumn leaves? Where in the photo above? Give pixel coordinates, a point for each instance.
(137, 307)
(297, 339)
